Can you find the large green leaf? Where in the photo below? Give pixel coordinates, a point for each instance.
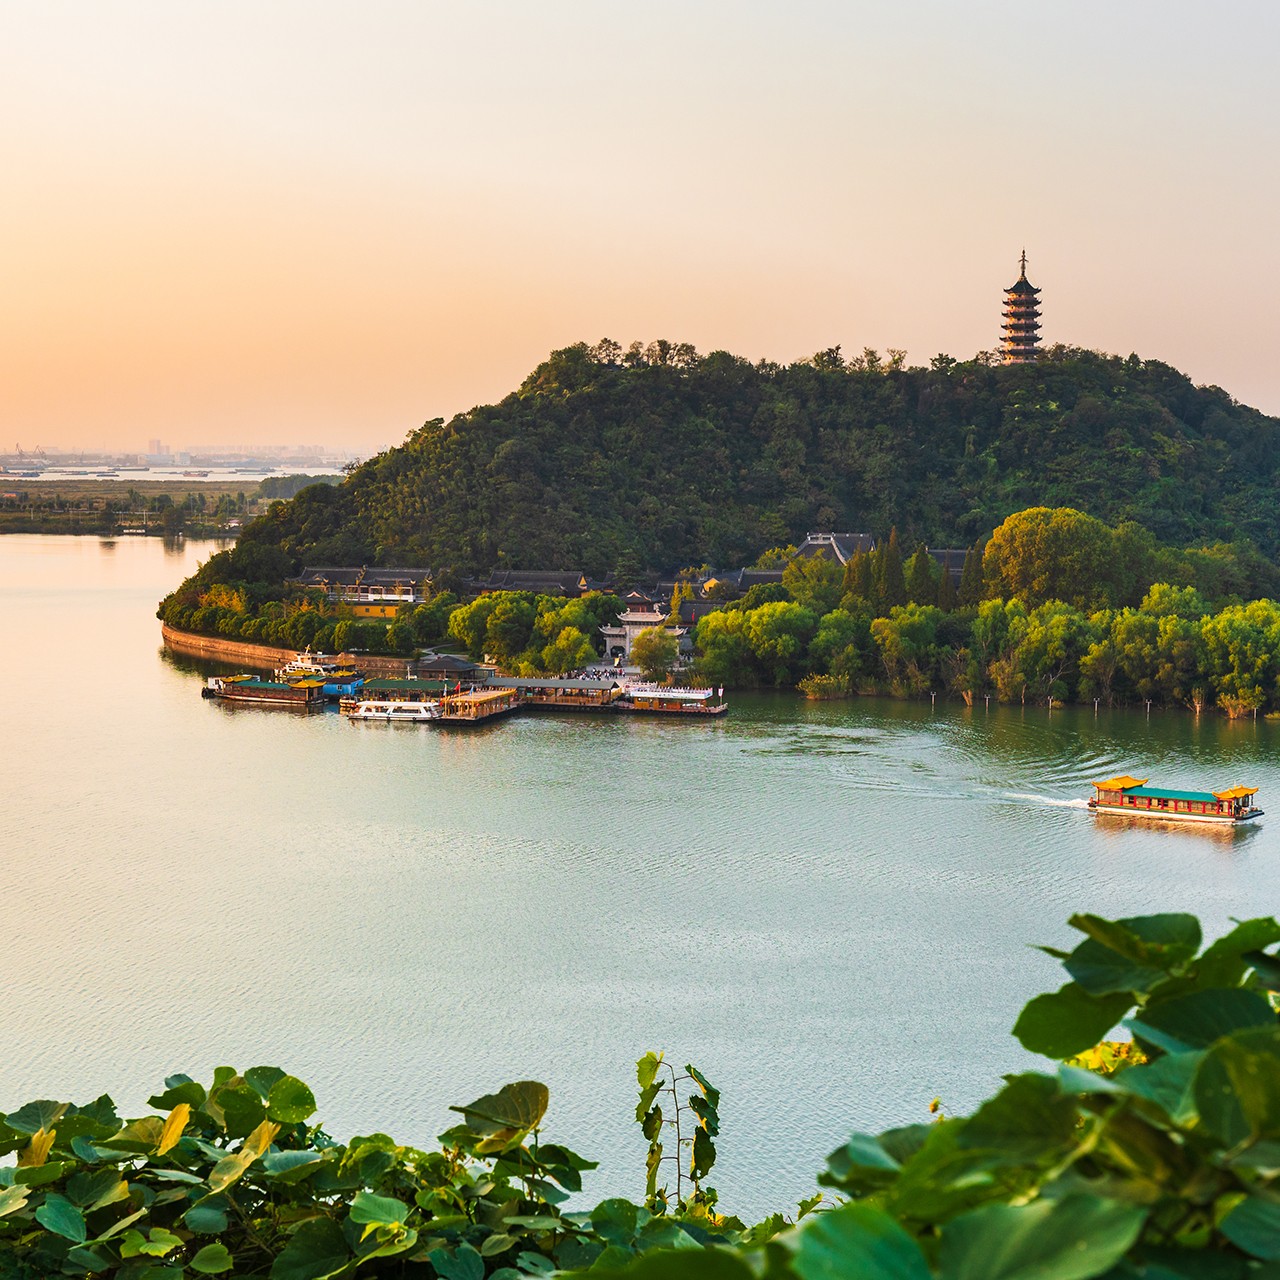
(861, 1165)
(1167, 1082)
(290, 1101)
(1197, 1019)
(518, 1106)
(12, 1199)
(60, 1216)
(615, 1221)
(1254, 1226)
(208, 1218)
(1165, 940)
(367, 1208)
(854, 1240)
(243, 1110)
(93, 1189)
(1237, 1087)
(35, 1116)
(1069, 1239)
(263, 1079)
(1135, 954)
(291, 1166)
(187, 1091)
(942, 1179)
(1223, 963)
(462, 1263)
(1169, 933)
(1063, 1023)
(1029, 1118)
(212, 1260)
(317, 1251)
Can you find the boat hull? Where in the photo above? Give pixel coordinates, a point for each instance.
(1164, 815)
(395, 712)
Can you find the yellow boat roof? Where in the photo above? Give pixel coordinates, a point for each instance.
(1122, 783)
(1235, 793)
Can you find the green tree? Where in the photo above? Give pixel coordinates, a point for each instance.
(947, 597)
(859, 583)
(510, 627)
(972, 587)
(778, 636)
(1048, 553)
(654, 651)
(724, 656)
(1165, 600)
(891, 584)
(1055, 638)
(842, 644)
(569, 651)
(814, 582)
(922, 586)
(1242, 644)
(430, 620)
(908, 642)
(1101, 660)
(469, 624)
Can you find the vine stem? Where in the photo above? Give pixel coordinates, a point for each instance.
(675, 1102)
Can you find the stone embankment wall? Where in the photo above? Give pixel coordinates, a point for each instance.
(266, 657)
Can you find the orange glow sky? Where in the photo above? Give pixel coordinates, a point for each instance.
(301, 220)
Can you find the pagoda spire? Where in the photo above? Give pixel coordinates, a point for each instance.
(1020, 333)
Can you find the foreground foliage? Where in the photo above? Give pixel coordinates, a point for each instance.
(1156, 1160)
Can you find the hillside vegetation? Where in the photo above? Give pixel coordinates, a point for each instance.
(645, 460)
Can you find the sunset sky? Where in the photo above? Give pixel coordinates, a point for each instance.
(313, 221)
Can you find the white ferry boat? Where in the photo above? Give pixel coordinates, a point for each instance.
(394, 712)
(1132, 796)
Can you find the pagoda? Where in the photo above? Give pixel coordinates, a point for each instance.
(1020, 343)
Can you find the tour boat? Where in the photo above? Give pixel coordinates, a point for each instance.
(339, 681)
(394, 712)
(1132, 796)
(271, 693)
(672, 700)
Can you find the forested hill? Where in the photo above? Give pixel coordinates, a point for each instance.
(610, 461)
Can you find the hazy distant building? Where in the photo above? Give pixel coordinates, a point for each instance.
(1020, 342)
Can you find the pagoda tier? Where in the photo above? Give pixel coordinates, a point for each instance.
(1020, 339)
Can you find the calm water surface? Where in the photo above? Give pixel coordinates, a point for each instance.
(827, 907)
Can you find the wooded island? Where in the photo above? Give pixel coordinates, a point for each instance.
(1081, 527)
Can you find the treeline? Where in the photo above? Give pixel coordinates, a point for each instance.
(1053, 606)
(630, 462)
(528, 634)
(1168, 649)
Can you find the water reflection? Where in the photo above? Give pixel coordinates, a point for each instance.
(1120, 825)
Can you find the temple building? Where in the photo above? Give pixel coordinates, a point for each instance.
(641, 616)
(1020, 343)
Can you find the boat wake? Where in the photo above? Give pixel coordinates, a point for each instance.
(1076, 803)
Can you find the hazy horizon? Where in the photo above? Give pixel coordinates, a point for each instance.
(307, 222)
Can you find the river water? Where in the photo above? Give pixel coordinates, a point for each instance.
(826, 907)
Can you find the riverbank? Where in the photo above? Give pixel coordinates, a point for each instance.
(265, 657)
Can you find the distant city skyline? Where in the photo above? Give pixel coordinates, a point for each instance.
(309, 220)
